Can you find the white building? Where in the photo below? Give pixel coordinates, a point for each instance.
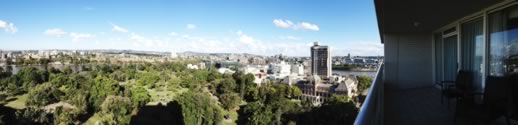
(191, 66)
(297, 69)
(225, 70)
(173, 54)
(280, 69)
(259, 72)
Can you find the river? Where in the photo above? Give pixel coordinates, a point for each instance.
(346, 72)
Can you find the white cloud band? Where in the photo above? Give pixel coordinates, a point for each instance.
(8, 27)
(287, 24)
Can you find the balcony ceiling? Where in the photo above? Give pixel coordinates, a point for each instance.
(401, 16)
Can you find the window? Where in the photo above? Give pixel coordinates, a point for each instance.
(472, 50)
(503, 42)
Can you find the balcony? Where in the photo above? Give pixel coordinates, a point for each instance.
(371, 112)
(386, 105)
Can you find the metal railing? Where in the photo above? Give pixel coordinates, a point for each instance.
(371, 111)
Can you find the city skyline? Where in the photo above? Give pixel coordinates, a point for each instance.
(263, 28)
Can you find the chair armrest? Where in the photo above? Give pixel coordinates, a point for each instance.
(451, 86)
(444, 86)
(444, 83)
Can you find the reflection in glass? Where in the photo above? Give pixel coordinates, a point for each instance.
(503, 42)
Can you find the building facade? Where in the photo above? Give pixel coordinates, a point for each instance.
(321, 61)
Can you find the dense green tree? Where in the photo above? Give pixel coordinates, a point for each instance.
(64, 117)
(4, 74)
(337, 99)
(119, 76)
(226, 86)
(200, 75)
(102, 87)
(213, 75)
(43, 94)
(33, 115)
(68, 69)
(104, 69)
(177, 67)
(79, 100)
(139, 96)
(116, 109)
(338, 110)
(13, 85)
(148, 78)
(30, 77)
(256, 113)
(364, 82)
(199, 109)
(294, 91)
(130, 72)
(229, 100)
(109, 92)
(2, 97)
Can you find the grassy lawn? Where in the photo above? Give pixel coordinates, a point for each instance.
(19, 102)
(93, 119)
(233, 117)
(164, 96)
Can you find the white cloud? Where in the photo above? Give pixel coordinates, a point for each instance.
(246, 39)
(8, 27)
(173, 34)
(119, 29)
(139, 40)
(81, 36)
(191, 26)
(241, 43)
(307, 26)
(290, 38)
(287, 24)
(249, 41)
(283, 23)
(55, 32)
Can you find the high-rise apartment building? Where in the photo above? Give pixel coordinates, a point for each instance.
(321, 61)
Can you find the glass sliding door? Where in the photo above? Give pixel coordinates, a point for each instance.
(472, 51)
(450, 58)
(503, 42)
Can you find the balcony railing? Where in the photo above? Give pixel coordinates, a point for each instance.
(371, 112)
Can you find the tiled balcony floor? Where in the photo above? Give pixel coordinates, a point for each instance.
(422, 106)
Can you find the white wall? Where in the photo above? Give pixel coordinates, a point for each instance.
(408, 60)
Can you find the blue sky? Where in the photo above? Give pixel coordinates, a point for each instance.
(264, 27)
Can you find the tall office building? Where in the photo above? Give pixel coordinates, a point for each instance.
(321, 61)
